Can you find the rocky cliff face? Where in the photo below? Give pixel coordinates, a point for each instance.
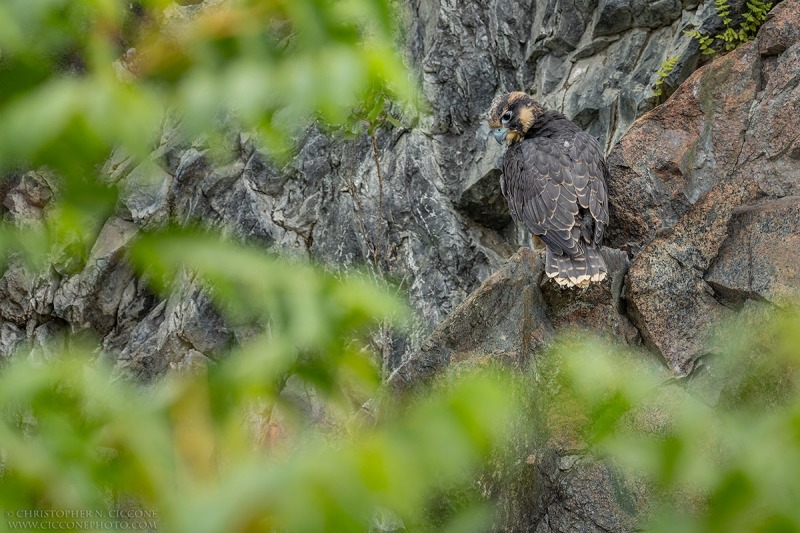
(444, 228)
(720, 224)
(704, 201)
(703, 197)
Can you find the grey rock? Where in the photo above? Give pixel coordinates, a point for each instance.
(141, 357)
(505, 317)
(483, 202)
(481, 199)
(143, 194)
(590, 498)
(514, 314)
(191, 362)
(91, 298)
(15, 294)
(47, 341)
(27, 197)
(656, 13)
(605, 83)
(614, 16)
(11, 338)
(187, 324)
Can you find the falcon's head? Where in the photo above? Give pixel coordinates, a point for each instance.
(512, 115)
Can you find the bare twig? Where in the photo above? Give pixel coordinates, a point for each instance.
(351, 188)
(384, 334)
(379, 229)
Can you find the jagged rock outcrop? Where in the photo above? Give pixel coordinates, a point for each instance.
(726, 143)
(443, 229)
(703, 195)
(515, 313)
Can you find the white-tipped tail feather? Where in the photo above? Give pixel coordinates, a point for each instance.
(575, 271)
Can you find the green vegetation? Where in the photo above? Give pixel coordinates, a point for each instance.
(663, 72)
(229, 446)
(754, 17)
(82, 78)
(728, 39)
(184, 454)
(730, 468)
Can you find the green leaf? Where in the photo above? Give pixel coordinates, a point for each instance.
(394, 121)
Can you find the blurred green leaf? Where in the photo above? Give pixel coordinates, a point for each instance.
(731, 468)
(274, 434)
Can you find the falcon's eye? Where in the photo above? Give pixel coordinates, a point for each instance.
(507, 116)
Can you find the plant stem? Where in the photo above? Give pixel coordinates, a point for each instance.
(379, 228)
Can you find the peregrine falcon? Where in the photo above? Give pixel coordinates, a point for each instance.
(554, 179)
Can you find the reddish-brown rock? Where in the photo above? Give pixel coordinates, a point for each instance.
(760, 257)
(725, 144)
(781, 30)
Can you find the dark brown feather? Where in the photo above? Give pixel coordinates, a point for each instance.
(555, 184)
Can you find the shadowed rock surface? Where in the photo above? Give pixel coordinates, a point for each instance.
(515, 313)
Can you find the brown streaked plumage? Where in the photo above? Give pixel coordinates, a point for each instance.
(554, 179)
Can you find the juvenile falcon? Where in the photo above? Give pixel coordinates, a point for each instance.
(554, 179)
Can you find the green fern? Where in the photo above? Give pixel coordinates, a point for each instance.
(723, 9)
(705, 41)
(731, 37)
(663, 72)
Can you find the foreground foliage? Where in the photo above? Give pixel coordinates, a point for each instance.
(723, 456)
(184, 453)
(230, 445)
(81, 78)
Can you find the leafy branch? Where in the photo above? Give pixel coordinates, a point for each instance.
(663, 73)
(731, 37)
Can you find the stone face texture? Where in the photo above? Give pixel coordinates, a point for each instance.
(704, 200)
(93, 297)
(26, 197)
(701, 180)
(780, 31)
(515, 313)
(504, 318)
(760, 256)
(444, 227)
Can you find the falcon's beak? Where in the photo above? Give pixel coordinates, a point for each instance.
(500, 134)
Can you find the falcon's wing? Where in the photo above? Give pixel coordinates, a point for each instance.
(589, 174)
(540, 192)
(545, 182)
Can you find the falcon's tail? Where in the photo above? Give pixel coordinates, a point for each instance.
(576, 271)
